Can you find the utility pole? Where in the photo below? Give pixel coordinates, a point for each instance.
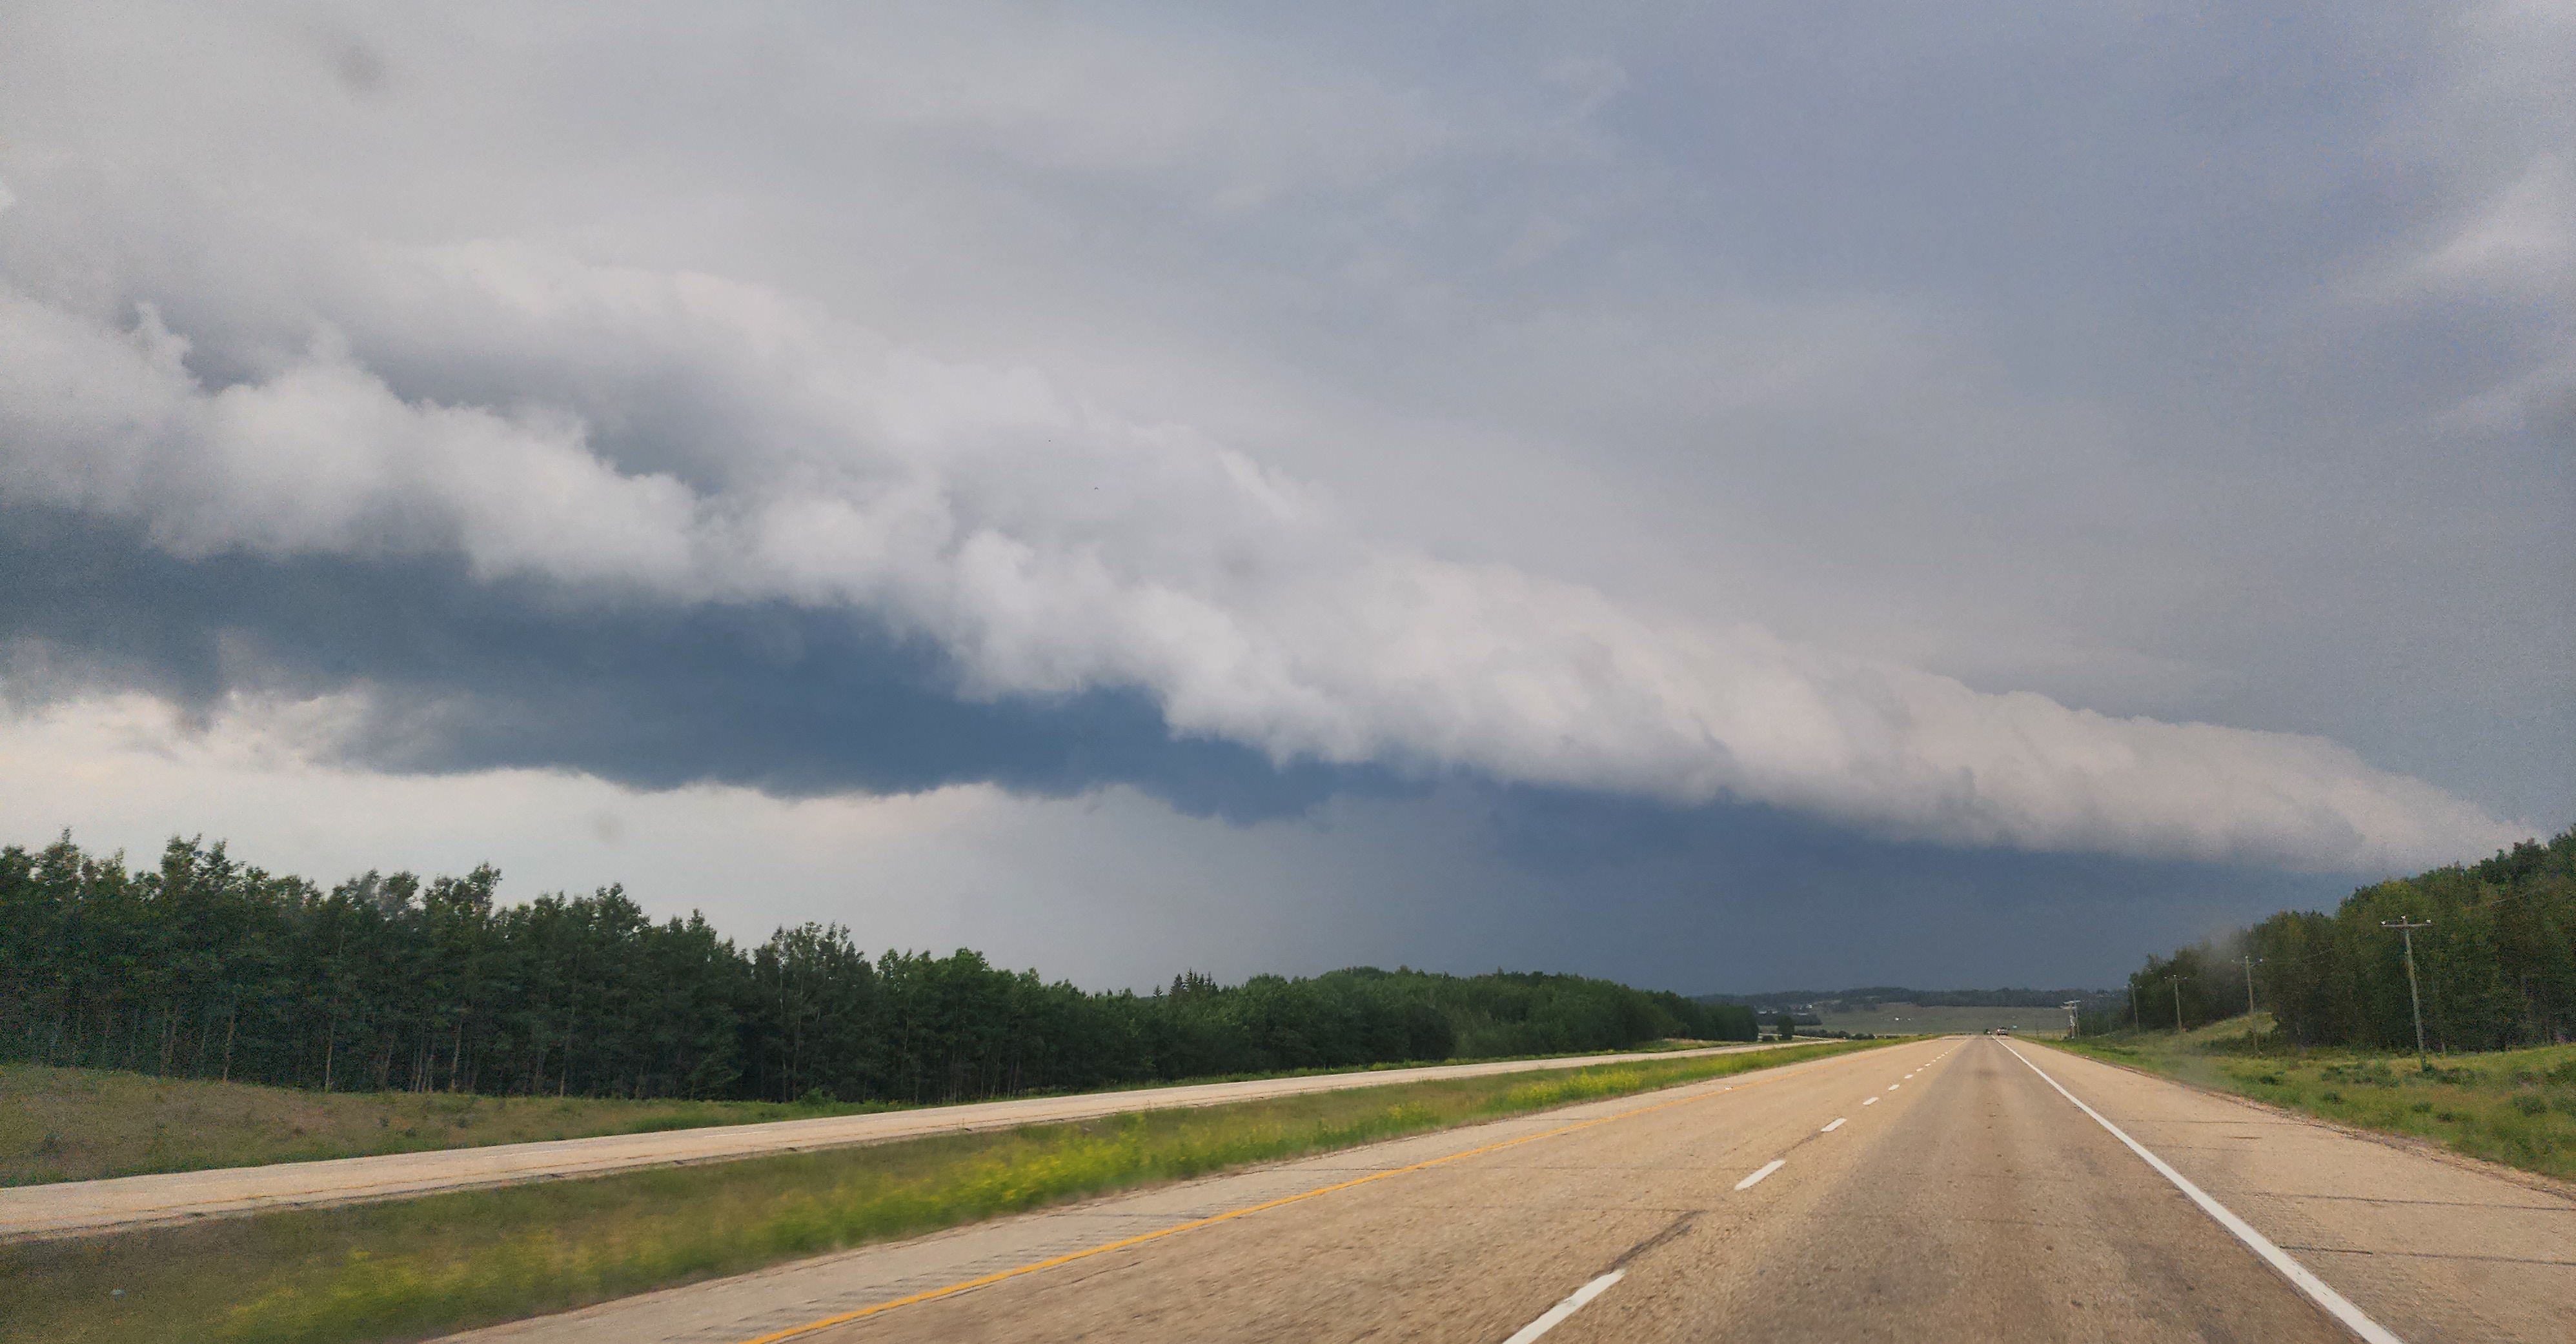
(2176, 982)
(2249, 959)
(2136, 1022)
(2414, 995)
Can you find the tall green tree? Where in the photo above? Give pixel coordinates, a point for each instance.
(2497, 964)
(205, 967)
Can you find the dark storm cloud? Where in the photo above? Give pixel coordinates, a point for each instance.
(462, 676)
(1738, 897)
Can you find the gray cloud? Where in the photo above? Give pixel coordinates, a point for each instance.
(428, 671)
(1228, 376)
(1051, 548)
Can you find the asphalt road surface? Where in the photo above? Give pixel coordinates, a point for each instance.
(1947, 1190)
(87, 1207)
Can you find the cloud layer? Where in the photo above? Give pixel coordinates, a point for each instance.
(1954, 425)
(683, 439)
(1730, 895)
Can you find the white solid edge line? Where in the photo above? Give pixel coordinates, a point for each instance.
(2318, 1290)
(1756, 1178)
(1573, 1303)
(1837, 1124)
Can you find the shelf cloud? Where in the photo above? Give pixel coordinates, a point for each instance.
(1619, 489)
(625, 437)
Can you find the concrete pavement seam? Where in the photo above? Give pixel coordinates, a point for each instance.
(1675, 1228)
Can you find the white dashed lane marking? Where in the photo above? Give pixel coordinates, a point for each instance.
(1573, 1303)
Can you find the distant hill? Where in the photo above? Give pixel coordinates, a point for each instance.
(1897, 1010)
(1869, 996)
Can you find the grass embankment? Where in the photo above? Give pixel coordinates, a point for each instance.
(83, 1124)
(448, 1262)
(2517, 1107)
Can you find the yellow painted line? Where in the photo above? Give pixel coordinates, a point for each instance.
(951, 1290)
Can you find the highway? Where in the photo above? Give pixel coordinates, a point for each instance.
(1965, 1189)
(89, 1207)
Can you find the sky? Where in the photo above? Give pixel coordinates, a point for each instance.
(1727, 498)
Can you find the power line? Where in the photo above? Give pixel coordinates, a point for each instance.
(2416, 996)
(2176, 982)
(2250, 959)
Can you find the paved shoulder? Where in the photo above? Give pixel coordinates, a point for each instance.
(2430, 1246)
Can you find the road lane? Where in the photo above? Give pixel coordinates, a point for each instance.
(1469, 1251)
(88, 1207)
(1510, 1233)
(1976, 1204)
(1982, 1208)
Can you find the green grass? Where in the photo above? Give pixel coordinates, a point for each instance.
(423, 1267)
(61, 1124)
(82, 1124)
(2517, 1107)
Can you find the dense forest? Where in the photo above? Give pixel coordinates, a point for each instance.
(2496, 962)
(207, 968)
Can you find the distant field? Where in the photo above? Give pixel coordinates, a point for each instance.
(1919, 1020)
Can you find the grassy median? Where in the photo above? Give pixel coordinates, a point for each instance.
(59, 1124)
(82, 1124)
(422, 1267)
(2517, 1107)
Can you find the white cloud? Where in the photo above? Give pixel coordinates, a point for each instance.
(2523, 239)
(2518, 247)
(1050, 546)
(321, 458)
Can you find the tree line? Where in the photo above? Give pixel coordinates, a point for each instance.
(2495, 962)
(208, 968)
